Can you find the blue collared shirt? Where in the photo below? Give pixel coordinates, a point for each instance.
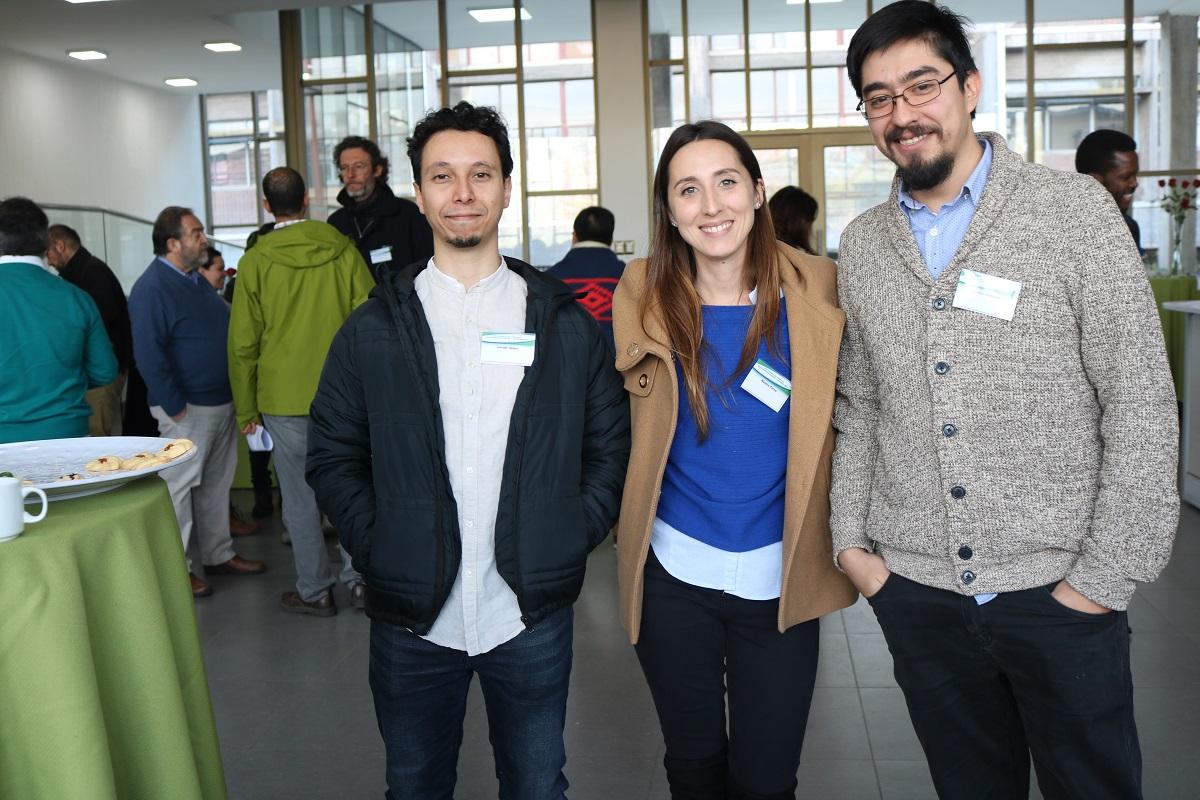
(939, 235)
(192, 276)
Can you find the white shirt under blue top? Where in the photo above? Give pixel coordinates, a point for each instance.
(939, 235)
(720, 513)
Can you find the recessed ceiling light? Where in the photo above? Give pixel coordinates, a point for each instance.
(503, 14)
(811, 2)
(87, 55)
(222, 47)
(180, 82)
(87, 1)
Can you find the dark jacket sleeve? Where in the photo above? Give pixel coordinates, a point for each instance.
(605, 438)
(338, 467)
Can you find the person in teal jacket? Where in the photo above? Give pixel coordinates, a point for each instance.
(53, 346)
(296, 287)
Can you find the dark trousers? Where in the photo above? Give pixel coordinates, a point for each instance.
(695, 645)
(421, 699)
(260, 470)
(989, 685)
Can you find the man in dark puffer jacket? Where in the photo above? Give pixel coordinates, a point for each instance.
(469, 440)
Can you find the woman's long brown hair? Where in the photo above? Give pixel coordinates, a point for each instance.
(671, 277)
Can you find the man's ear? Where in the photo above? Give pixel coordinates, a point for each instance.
(418, 196)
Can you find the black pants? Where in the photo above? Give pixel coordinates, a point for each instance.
(697, 643)
(989, 685)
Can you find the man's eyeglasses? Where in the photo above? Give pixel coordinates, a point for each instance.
(359, 168)
(918, 94)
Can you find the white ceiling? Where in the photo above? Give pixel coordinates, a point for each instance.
(149, 40)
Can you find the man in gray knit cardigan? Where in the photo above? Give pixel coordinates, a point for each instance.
(1006, 456)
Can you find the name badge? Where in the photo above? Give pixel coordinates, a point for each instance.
(381, 255)
(987, 294)
(767, 385)
(506, 348)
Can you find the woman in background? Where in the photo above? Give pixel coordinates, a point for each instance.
(793, 213)
(728, 344)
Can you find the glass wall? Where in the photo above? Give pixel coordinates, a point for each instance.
(374, 70)
(243, 141)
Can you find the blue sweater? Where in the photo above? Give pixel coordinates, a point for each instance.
(728, 490)
(180, 328)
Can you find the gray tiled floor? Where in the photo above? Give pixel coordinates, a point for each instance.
(295, 717)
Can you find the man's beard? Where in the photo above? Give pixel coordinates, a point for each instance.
(361, 194)
(920, 176)
(464, 242)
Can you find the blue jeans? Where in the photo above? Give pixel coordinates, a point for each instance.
(420, 693)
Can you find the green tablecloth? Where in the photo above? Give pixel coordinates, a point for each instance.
(103, 692)
(1166, 289)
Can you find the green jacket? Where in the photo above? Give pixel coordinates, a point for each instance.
(295, 288)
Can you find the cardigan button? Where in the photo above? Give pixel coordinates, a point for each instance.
(643, 380)
(968, 578)
(958, 492)
(939, 304)
(633, 349)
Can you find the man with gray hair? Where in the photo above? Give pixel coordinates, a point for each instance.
(52, 340)
(296, 287)
(1005, 470)
(179, 328)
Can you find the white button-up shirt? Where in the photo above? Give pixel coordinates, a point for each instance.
(476, 402)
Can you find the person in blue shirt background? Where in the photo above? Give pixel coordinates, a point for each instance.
(179, 322)
(53, 347)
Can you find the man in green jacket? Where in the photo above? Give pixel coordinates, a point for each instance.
(295, 289)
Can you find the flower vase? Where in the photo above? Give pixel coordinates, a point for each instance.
(1175, 264)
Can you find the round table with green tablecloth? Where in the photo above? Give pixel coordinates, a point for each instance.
(103, 692)
(1170, 288)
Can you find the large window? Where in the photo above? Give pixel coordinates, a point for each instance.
(535, 68)
(243, 141)
(1047, 81)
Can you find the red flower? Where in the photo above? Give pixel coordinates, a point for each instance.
(1183, 203)
(1171, 183)
(1161, 182)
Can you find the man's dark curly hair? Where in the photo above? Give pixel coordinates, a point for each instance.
(463, 117)
(363, 143)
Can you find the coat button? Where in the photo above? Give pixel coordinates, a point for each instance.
(968, 578)
(633, 349)
(643, 380)
(965, 553)
(958, 492)
(949, 430)
(941, 368)
(939, 303)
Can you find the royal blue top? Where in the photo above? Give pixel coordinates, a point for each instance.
(727, 491)
(180, 326)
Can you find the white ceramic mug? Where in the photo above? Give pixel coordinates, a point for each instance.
(12, 507)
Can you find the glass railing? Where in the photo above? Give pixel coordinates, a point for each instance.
(120, 240)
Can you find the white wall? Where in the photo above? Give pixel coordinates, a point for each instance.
(69, 136)
(625, 173)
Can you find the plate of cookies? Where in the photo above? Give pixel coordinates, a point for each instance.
(66, 468)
